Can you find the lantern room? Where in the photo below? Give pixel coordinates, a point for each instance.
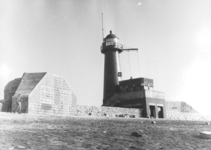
(111, 41)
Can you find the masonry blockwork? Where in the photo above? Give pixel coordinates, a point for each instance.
(42, 93)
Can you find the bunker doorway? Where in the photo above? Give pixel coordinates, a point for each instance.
(160, 112)
(152, 111)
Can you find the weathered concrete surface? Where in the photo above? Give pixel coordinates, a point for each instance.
(179, 106)
(52, 95)
(186, 116)
(9, 92)
(91, 133)
(29, 82)
(40, 93)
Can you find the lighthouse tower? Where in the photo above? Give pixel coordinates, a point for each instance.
(111, 48)
(132, 93)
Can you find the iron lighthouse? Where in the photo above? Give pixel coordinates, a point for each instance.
(111, 49)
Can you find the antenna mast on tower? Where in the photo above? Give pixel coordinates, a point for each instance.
(102, 27)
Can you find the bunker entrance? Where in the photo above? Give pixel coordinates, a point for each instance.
(152, 111)
(160, 112)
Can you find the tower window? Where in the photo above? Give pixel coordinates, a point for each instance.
(111, 41)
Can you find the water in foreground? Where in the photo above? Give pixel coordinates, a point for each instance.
(72, 133)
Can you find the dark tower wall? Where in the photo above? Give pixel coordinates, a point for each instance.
(110, 74)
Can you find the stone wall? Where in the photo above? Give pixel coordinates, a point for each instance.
(120, 112)
(131, 112)
(107, 111)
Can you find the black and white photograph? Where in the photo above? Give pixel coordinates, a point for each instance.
(105, 75)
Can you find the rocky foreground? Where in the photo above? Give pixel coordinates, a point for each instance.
(79, 133)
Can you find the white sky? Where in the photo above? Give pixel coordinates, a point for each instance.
(64, 38)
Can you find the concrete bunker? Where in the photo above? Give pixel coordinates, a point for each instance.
(39, 93)
(151, 103)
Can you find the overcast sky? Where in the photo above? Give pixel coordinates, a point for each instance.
(63, 37)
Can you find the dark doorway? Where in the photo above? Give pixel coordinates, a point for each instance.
(152, 111)
(160, 112)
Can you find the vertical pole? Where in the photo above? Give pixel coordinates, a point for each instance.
(102, 28)
(138, 64)
(129, 63)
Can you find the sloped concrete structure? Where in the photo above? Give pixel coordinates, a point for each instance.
(182, 110)
(44, 93)
(9, 92)
(179, 106)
